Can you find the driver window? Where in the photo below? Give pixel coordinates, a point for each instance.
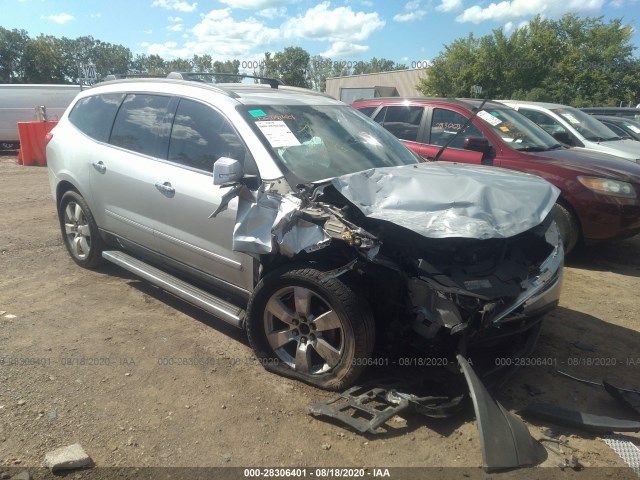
(446, 123)
(550, 124)
(200, 135)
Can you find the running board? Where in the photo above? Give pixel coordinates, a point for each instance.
(222, 309)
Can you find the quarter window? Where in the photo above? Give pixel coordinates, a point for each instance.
(402, 121)
(446, 123)
(94, 115)
(200, 135)
(142, 124)
(367, 110)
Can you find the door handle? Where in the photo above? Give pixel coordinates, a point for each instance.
(99, 166)
(165, 188)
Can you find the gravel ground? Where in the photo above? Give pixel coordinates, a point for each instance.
(86, 358)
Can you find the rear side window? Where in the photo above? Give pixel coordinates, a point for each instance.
(367, 110)
(200, 135)
(402, 121)
(142, 124)
(94, 115)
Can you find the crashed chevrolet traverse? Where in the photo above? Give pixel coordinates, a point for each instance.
(290, 215)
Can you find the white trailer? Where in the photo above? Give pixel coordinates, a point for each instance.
(18, 103)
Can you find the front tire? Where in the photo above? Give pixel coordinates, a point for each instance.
(305, 323)
(79, 230)
(568, 226)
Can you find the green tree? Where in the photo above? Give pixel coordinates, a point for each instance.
(202, 63)
(579, 61)
(228, 66)
(12, 45)
(291, 65)
(148, 65)
(320, 68)
(43, 60)
(376, 65)
(178, 65)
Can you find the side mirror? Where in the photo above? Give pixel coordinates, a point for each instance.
(477, 144)
(226, 171)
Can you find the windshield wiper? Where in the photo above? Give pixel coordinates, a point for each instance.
(555, 146)
(532, 148)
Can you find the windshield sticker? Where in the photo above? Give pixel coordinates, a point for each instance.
(278, 117)
(490, 119)
(257, 113)
(495, 114)
(278, 134)
(633, 128)
(571, 118)
(504, 129)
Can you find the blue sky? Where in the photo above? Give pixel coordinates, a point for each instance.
(409, 32)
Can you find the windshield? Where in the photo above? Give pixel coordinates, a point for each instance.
(518, 131)
(587, 126)
(317, 142)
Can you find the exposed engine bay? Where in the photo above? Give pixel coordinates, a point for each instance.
(448, 271)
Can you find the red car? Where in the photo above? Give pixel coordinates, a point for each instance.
(600, 193)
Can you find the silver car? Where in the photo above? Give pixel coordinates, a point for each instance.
(291, 215)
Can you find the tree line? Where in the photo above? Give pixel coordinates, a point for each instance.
(572, 60)
(49, 59)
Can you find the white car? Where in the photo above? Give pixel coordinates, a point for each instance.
(575, 128)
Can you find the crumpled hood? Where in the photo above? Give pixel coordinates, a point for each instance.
(440, 200)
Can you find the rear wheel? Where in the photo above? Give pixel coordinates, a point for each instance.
(306, 324)
(568, 226)
(79, 230)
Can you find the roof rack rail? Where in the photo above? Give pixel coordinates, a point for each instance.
(210, 76)
(120, 76)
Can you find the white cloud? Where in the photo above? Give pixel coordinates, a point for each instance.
(339, 24)
(273, 12)
(60, 18)
(512, 10)
(175, 5)
(175, 19)
(220, 33)
(508, 27)
(412, 12)
(178, 27)
(255, 4)
(344, 49)
(449, 6)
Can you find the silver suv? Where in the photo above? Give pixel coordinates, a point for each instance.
(293, 216)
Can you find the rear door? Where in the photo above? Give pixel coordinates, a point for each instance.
(123, 180)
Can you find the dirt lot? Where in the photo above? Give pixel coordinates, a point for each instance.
(86, 358)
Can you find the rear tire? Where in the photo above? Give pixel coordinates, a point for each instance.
(568, 226)
(79, 230)
(305, 324)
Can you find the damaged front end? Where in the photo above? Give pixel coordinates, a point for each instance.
(453, 258)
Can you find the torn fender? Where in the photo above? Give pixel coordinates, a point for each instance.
(438, 200)
(504, 438)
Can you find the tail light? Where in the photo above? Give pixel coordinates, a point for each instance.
(48, 137)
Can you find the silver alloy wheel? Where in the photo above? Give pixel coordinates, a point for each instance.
(77, 231)
(304, 331)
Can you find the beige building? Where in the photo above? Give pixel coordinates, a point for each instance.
(398, 83)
